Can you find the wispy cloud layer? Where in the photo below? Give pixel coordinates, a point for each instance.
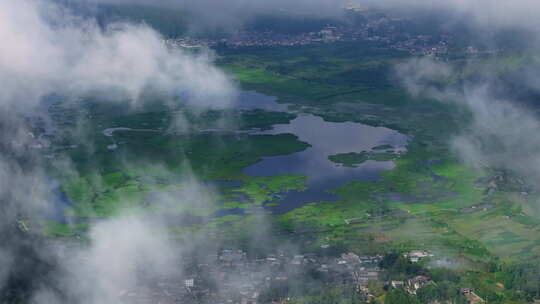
(498, 135)
(48, 50)
(235, 12)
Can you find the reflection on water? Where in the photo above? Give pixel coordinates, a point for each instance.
(328, 138)
(325, 138)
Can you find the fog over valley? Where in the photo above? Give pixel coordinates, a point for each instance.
(310, 151)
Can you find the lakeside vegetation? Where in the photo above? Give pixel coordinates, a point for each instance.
(210, 157)
(426, 202)
(426, 187)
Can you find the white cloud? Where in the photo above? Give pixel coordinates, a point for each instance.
(47, 50)
(499, 133)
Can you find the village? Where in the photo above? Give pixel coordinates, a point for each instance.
(372, 31)
(387, 32)
(231, 277)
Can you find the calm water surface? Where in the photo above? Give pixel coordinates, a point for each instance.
(326, 139)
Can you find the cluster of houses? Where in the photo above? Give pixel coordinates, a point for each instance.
(231, 277)
(260, 38)
(423, 45)
(415, 255)
(411, 285)
(383, 29)
(374, 30)
(388, 32)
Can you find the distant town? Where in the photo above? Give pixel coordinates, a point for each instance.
(416, 45)
(387, 32)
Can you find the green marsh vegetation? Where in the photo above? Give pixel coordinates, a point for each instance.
(420, 203)
(425, 202)
(163, 162)
(107, 182)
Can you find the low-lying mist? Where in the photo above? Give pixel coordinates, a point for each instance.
(50, 50)
(500, 132)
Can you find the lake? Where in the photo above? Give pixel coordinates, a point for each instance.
(326, 139)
